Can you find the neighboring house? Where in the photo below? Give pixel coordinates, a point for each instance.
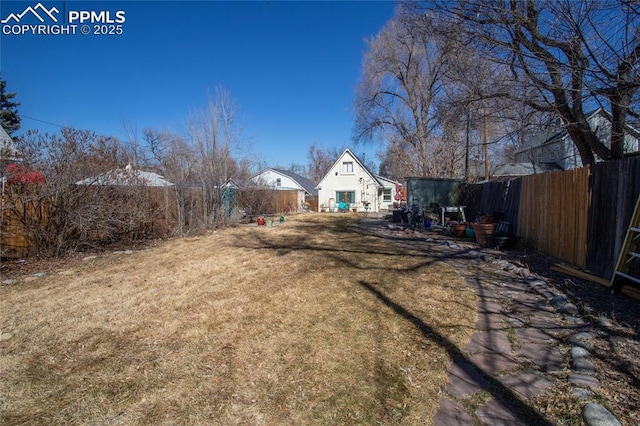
(514, 170)
(126, 177)
(554, 148)
(279, 179)
(8, 150)
(349, 184)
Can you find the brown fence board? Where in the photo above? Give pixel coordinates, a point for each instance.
(287, 201)
(502, 199)
(616, 187)
(553, 214)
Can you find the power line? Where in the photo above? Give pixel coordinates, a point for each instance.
(41, 121)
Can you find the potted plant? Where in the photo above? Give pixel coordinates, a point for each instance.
(460, 230)
(482, 231)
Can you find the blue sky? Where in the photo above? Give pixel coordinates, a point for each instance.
(290, 67)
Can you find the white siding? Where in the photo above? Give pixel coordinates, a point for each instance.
(270, 178)
(347, 175)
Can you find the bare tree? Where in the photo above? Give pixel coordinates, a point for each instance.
(401, 80)
(176, 160)
(576, 55)
(216, 137)
(320, 160)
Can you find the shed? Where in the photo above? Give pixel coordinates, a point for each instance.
(425, 191)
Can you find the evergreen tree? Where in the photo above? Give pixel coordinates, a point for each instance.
(9, 118)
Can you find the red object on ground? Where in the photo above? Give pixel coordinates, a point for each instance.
(17, 173)
(260, 221)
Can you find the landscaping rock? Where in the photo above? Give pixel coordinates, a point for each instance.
(596, 415)
(578, 352)
(569, 309)
(487, 258)
(558, 301)
(548, 294)
(583, 365)
(574, 320)
(604, 322)
(9, 282)
(510, 267)
(581, 393)
(582, 339)
(5, 336)
(534, 282)
(584, 380)
(500, 263)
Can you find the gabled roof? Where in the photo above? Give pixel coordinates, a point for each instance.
(126, 177)
(373, 177)
(384, 180)
(523, 169)
(302, 181)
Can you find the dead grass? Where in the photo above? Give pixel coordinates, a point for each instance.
(309, 322)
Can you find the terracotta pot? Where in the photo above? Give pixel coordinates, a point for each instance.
(486, 218)
(482, 231)
(460, 230)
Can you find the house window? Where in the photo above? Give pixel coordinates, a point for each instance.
(386, 195)
(347, 167)
(346, 197)
(278, 182)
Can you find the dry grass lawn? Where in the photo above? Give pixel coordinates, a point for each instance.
(308, 322)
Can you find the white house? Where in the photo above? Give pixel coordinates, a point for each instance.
(8, 149)
(349, 184)
(126, 177)
(279, 179)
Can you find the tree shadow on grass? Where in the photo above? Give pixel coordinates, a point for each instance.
(499, 391)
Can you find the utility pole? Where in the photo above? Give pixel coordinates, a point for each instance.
(466, 155)
(485, 143)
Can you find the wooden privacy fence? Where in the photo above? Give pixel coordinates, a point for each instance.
(269, 201)
(554, 213)
(579, 216)
(616, 186)
(14, 242)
